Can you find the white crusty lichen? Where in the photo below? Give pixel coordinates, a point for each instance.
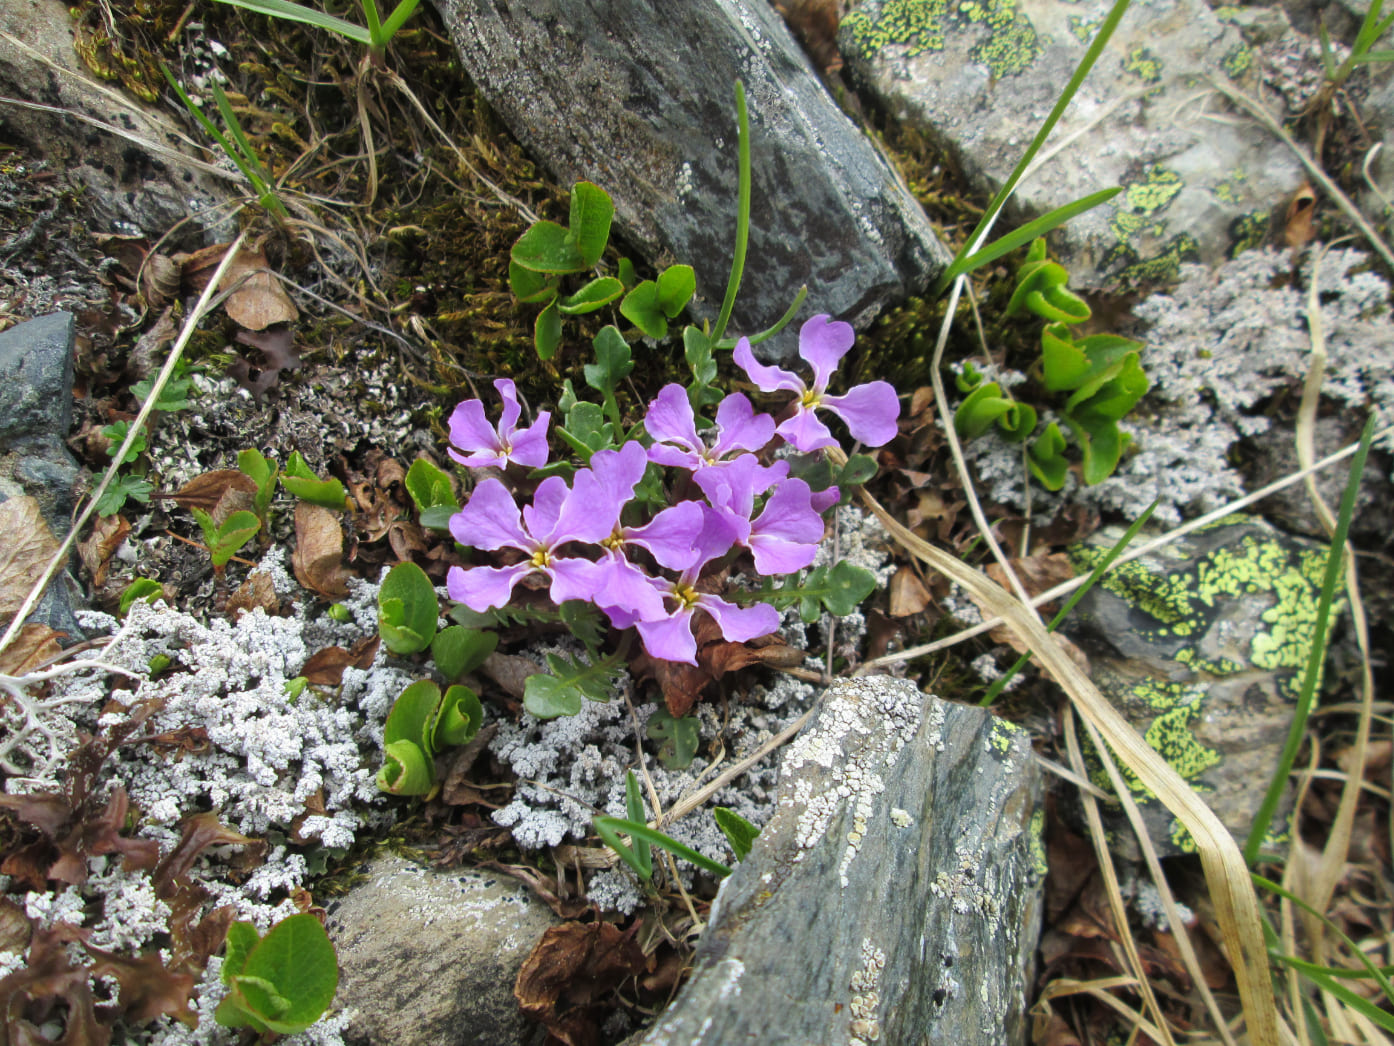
(865, 1004)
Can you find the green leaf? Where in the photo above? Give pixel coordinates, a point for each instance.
(1018, 423)
(457, 718)
(613, 361)
(239, 528)
(297, 959)
(859, 469)
(676, 286)
(1041, 288)
(968, 378)
(438, 518)
(1115, 397)
(430, 487)
(310, 16)
(600, 292)
(241, 938)
(412, 717)
(839, 589)
(547, 697)
(1110, 357)
(530, 288)
(586, 429)
(697, 350)
(981, 410)
(1101, 443)
(548, 248)
(608, 828)
(585, 622)
(640, 307)
(1045, 458)
(561, 692)
(591, 211)
(405, 770)
(144, 588)
(1063, 362)
(263, 472)
(121, 488)
(546, 332)
(626, 273)
(407, 609)
(302, 483)
(680, 738)
(457, 650)
(634, 811)
(116, 433)
(739, 832)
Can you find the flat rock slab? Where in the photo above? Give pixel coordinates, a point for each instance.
(895, 897)
(980, 77)
(1202, 646)
(637, 97)
(429, 957)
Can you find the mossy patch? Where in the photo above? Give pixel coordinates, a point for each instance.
(920, 26)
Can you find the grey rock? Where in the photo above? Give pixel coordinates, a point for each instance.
(429, 957)
(896, 894)
(637, 97)
(1194, 188)
(1202, 646)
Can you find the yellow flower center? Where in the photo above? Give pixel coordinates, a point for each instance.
(541, 558)
(686, 596)
(810, 399)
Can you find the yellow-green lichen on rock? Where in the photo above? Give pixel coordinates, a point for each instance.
(919, 26)
(1202, 647)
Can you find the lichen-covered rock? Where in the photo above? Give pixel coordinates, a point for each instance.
(1202, 646)
(894, 897)
(637, 97)
(429, 956)
(1191, 190)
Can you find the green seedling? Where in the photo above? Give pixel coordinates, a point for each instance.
(116, 433)
(739, 832)
(424, 722)
(561, 692)
(224, 540)
(679, 736)
(302, 483)
(294, 688)
(114, 498)
(177, 393)
(339, 612)
(158, 664)
(433, 494)
(839, 589)
(144, 588)
(636, 853)
(457, 650)
(281, 983)
(613, 363)
(1372, 27)
(263, 472)
(1041, 288)
(235, 144)
(407, 610)
(376, 34)
(651, 304)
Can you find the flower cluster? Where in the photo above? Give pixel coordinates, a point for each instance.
(575, 536)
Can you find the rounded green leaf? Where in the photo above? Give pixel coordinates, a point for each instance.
(591, 212)
(546, 332)
(680, 738)
(547, 697)
(640, 307)
(980, 410)
(676, 286)
(594, 295)
(1045, 458)
(1018, 423)
(429, 486)
(739, 832)
(296, 959)
(529, 287)
(413, 715)
(407, 609)
(547, 247)
(406, 770)
(457, 650)
(457, 718)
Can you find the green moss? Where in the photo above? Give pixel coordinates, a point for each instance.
(1238, 61)
(917, 25)
(1248, 231)
(920, 26)
(1144, 64)
(1082, 29)
(1164, 266)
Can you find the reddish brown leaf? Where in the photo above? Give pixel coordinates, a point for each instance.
(147, 989)
(319, 550)
(326, 667)
(814, 23)
(35, 644)
(510, 672)
(573, 967)
(908, 594)
(277, 345)
(98, 547)
(15, 927)
(256, 591)
(199, 831)
(257, 300)
(220, 493)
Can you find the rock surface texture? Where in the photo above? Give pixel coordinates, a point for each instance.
(637, 97)
(980, 77)
(1202, 646)
(429, 957)
(895, 897)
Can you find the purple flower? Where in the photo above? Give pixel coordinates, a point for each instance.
(674, 429)
(491, 521)
(785, 536)
(670, 637)
(497, 447)
(670, 537)
(869, 410)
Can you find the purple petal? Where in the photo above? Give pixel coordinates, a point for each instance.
(664, 454)
(671, 536)
(734, 484)
(740, 427)
(739, 624)
(616, 473)
(785, 536)
(483, 588)
(529, 445)
(823, 342)
(470, 431)
(715, 540)
(670, 420)
(622, 585)
(508, 421)
(767, 379)
(543, 515)
(490, 520)
(572, 578)
(592, 511)
(869, 410)
(671, 639)
(822, 500)
(804, 432)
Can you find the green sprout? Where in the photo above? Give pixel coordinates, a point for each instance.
(377, 34)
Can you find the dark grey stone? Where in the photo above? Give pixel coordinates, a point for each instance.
(637, 97)
(36, 359)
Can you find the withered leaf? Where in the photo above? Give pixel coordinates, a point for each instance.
(326, 667)
(276, 344)
(35, 644)
(198, 832)
(220, 493)
(256, 591)
(510, 672)
(151, 348)
(26, 546)
(147, 989)
(15, 927)
(98, 547)
(319, 550)
(257, 300)
(573, 967)
(908, 594)
(1298, 229)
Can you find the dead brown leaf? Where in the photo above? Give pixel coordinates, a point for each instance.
(326, 667)
(15, 927)
(510, 672)
(146, 988)
(35, 644)
(908, 594)
(814, 23)
(1037, 574)
(220, 493)
(151, 348)
(1298, 229)
(574, 967)
(258, 300)
(98, 547)
(73, 833)
(256, 591)
(26, 546)
(319, 551)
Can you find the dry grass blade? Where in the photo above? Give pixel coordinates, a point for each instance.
(1236, 905)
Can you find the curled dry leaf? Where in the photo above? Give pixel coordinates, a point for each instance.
(258, 300)
(35, 644)
(1297, 225)
(256, 591)
(319, 551)
(151, 348)
(908, 594)
(98, 547)
(326, 667)
(146, 988)
(220, 493)
(26, 546)
(572, 969)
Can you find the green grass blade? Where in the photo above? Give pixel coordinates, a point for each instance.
(1028, 232)
(635, 830)
(309, 16)
(370, 15)
(1317, 658)
(260, 178)
(733, 282)
(1100, 569)
(634, 810)
(770, 332)
(1096, 47)
(397, 18)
